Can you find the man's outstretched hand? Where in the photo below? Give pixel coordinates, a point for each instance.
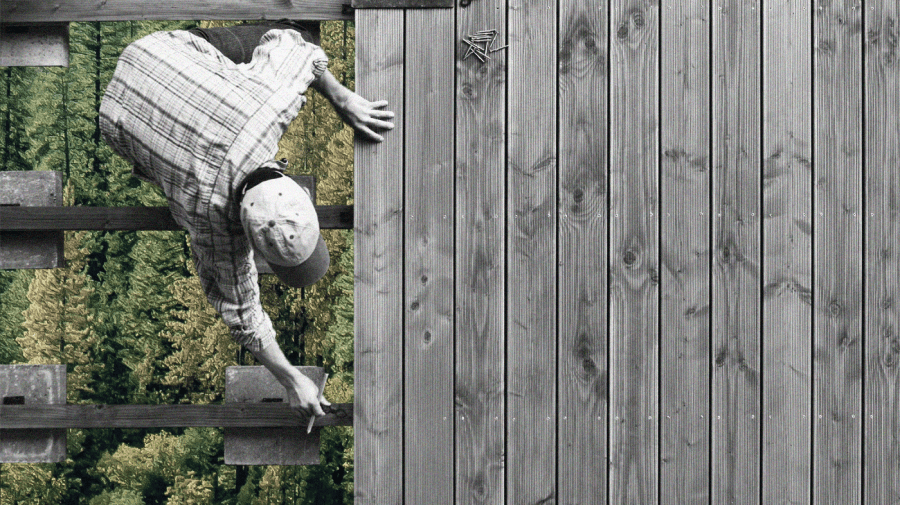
(364, 116)
(304, 396)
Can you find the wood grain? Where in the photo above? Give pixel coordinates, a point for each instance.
(787, 252)
(480, 260)
(582, 368)
(378, 293)
(685, 253)
(531, 272)
(429, 258)
(837, 460)
(634, 252)
(736, 297)
(41, 11)
(882, 271)
(235, 415)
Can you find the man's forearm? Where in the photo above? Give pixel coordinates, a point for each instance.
(275, 361)
(331, 88)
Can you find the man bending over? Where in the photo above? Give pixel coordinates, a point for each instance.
(200, 114)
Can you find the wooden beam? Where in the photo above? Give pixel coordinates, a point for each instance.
(42, 11)
(235, 415)
(17, 218)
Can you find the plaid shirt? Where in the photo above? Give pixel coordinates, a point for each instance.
(196, 124)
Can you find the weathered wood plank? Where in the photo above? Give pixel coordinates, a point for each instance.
(235, 415)
(480, 260)
(531, 272)
(41, 11)
(882, 270)
(736, 297)
(634, 252)
(378, 240)
(787, 252)
(837, 359)
(128, 218)
(429, 253)
(583, 248)
(685, 254)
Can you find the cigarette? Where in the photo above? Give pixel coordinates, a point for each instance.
(312, 417)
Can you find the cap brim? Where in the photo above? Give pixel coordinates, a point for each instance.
(308, 272)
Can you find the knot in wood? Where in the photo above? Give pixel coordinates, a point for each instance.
(578, 195)
(638, 18)
(629, 258)
(622, 32)
(835, 308)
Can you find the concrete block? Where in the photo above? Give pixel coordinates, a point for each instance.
(29, 250)
(267, 446)
(32, 385)
(44, 45)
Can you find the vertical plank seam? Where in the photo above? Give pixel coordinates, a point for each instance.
(557, 332)
(403, 300)
(710, 107)
(455, 224)
(505, 258)
(659, 373)
(813, 264)
(863, 284)
(762, 251)
(609, 63)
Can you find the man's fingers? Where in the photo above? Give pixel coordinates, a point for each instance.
(379, 104)
(377, 123)
(382, 114)
(370, 134)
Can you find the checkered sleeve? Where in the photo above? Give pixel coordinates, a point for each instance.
(229, 278)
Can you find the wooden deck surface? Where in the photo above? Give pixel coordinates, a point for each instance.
(644, 254)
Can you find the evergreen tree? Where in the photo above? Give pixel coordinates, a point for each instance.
(59, 322)
(13, 302)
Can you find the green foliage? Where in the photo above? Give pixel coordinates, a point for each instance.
(13, 302)
(127, 314)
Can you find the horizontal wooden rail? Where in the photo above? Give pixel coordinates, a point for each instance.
(231, 415)
(17, 218)
(47, 11)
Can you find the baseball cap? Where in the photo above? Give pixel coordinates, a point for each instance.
(281, 223)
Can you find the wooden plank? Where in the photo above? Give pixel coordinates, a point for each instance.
(237, 415)
(480, 260)
(19, 250)
(378, 239)
(32, 385)
(837, 359)
(634, 252)
(45, 45)
(531, 271)
(41, 11)
(882, 270)
(736, 296)
(787, 253)
(402, 4)
(429, 251)
(128, 218)
(685, 254)
(583, 246)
